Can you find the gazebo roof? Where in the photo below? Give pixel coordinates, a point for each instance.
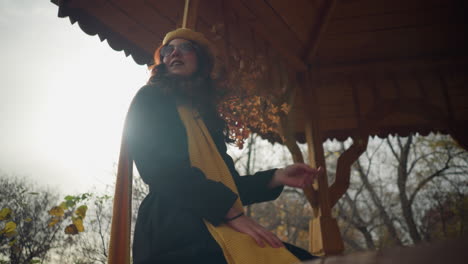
(380, 67)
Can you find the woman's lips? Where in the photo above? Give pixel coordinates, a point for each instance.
(176, 63)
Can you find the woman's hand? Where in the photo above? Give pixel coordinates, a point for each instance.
(297, 175)
(247, 225)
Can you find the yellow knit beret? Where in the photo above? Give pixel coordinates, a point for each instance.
(188, 34)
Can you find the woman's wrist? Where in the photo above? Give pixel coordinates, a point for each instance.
(276, 179)
(233, 212)
(234, 217)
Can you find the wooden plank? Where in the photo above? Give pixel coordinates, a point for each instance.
(433, 89)
(147, 17)
(337, 110)
(415, 18)
(242, 37)
(398, 43)
(211, 11)
(403, 119)
(364, 87)
(211, 23)
(461, 115)
(450, 251)
(386, 88)
(217, 40)
(408, 86)
(297, 14)
(459, 102)
(457, 80)
(376, 68)
(124, 25)
(173, 10)
(338, 123)
(320, 23)
(287, 47)
(379, 7)
(83, 4)
(334, 92)
(273, 23)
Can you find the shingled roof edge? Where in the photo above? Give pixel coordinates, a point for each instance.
(92, 26)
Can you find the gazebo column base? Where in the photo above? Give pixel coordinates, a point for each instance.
(325, 236)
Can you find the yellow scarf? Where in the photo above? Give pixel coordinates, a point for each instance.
(238, 248)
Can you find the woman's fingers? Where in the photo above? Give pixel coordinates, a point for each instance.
(270, 238)
(261, 235)
(275, 240)
(299, 175)
(313, 176)
(309, 180)
(251, 228)
(257, 237)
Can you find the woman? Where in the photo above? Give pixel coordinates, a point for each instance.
(193, 212)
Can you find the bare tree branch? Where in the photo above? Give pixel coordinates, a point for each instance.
(378, 203)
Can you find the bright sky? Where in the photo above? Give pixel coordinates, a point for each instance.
(63, 99)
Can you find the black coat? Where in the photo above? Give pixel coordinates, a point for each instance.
(169, 227)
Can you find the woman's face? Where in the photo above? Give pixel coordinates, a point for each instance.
(180, 57)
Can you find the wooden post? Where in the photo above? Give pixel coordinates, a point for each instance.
(288, 132)
(325, 237)
(189, 19)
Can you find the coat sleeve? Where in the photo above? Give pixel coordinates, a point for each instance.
(158, 145)
(252, 188)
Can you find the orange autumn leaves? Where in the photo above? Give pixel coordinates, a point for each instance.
(249, 114)
(245, 104)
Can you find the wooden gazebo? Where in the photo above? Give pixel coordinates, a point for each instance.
(360, 67)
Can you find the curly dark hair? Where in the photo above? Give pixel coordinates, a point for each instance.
(199, 88)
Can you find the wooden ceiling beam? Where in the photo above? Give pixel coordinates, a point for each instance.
(258, 15)
(324, 14)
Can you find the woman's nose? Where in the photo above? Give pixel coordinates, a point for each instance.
(175, 52)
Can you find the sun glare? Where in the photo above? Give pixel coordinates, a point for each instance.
(63, 99)
(82, 122)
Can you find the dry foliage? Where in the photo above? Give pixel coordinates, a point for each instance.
(245, 101)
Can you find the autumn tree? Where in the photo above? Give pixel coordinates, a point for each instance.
(403, 191)
(396, 184)
(92, 245)
(447, 218)
(25, 235)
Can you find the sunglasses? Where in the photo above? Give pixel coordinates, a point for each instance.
(184, 48)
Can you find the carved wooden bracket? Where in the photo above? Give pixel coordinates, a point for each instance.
(343, 169)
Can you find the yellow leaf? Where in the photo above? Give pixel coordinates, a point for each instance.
(71, 230)
(9, 229)
(81, 211)
(54, 221)
(78, 224)
(63, 205)
(5, 213)
(27, 220)
(57, 211)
